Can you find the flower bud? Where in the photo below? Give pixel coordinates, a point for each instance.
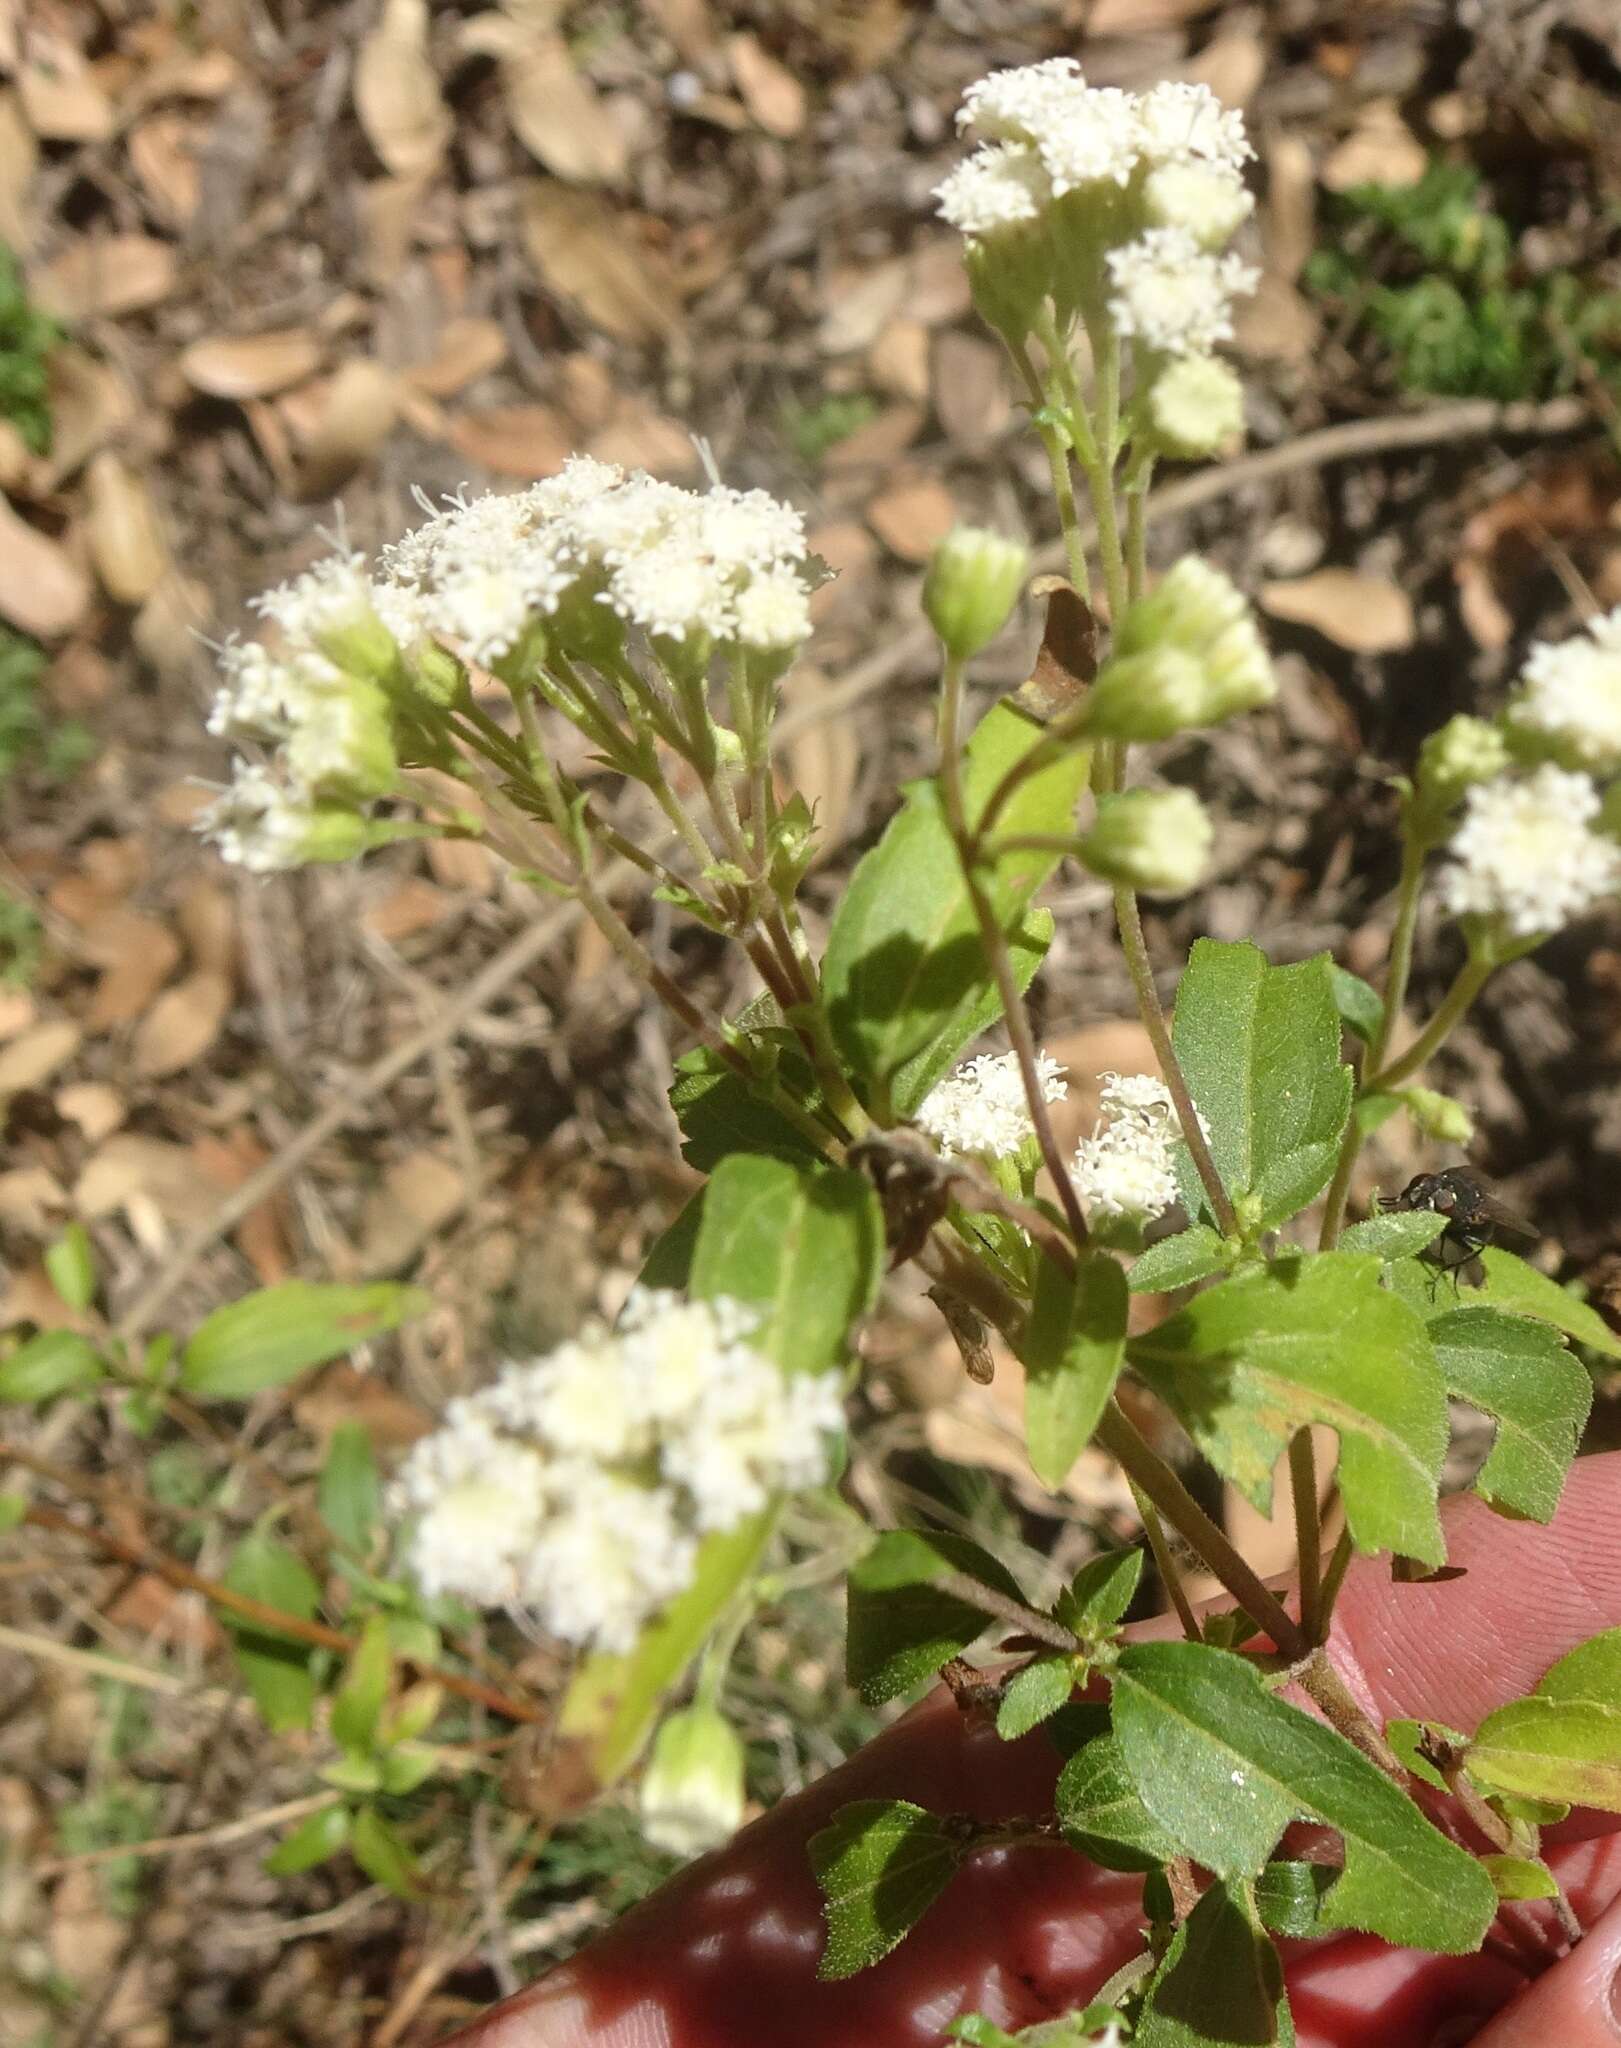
(1208, 201)
(1457, 755)
(1187, 654)
(1196, 406)
(973, 582)
(434, 673)
(342, 746)
(1439, 1116)
(1153, 839)
(1146, 696)
(692, 1789)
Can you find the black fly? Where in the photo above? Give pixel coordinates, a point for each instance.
(1474, 1217)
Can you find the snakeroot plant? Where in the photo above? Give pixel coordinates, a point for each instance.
(585, 677)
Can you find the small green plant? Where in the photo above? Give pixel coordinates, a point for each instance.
(812, 429)
(27, 337)
(29, 739)
(22, 941)
(1431, 272)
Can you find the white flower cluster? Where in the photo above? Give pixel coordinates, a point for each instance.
(980, 1111)
(1125, 1171)
(1526, 855)
(1174, 296)
(575, 1489)
(1571, 697)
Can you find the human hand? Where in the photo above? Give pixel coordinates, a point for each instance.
(725, 1955)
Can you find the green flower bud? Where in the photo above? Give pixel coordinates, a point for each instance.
(1439, 1116)
(1008, 276)
(342, 746)
(1456, 755)
(692, 1789)
(328, 832)
(1153, 839)
(434, 673)
(1147, 696)
(973, 583)
(1196, 406)
(1187, 654)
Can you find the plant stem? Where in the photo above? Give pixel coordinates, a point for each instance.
(1135, 948)
(1170, 1575)
(1471, 979)
(972, 1593)
(1333, 1577)
(1501, 1836)
(1321, 1683)
(1308, 1529)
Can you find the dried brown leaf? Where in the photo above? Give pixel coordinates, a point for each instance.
(418, 1196)
(397, 96)
(102, 276)
(19, 156)
(182, 1024)
(166, 627)
(1366, 614)
(463, 864)
(971, 389)
(466, 350)
(251, 365)
(43, 590)
(770, 91)
(591, 254)
(207, 915)
(59, 94)
(129, 1169)
(123, 529)
(97, 1109)
(36, 1054)
(90, 404)
(912, 514)
(137, 954)
(861, 302)
(1380, 149)
(555, 112)
(412, 906)
(390, 213)
(898, 360)
(875, 445)
(340, 423)
(163, 154)
(823, 759)
(640, 437)
(513, 440)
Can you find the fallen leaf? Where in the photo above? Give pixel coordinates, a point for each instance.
(340, 423)
(1232, 65)
(463, 864)
(182, 1024)
(913, 514)
(18, 1011)
(411, 906)
(32, 1203)
(207, 915)
(849, 550)
(418, 1196)
(876, 445)
(1275, 323)
(61, 98)
(770, 91)
(1366, 614)
(106, 275)
(971, 389)
(640, 437)
(822, 761)
(90, 404)
(555, 112)
(861, 302)
(1381, 149)
(588, 252)
(19, 158)
(527, 441)
(345, 1394)
(131, 1168)
(97, 1109)
(251, 365)
(126, 540)
(136, 954)
(898, 360)
(35, 1056)
(166, 628)
(466, 350)
(397, 98)
(163, 153)
(43, 590)
(228, 1160)
(588, 390)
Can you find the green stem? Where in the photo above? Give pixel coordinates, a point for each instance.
(1170, 1574)
(1333, 1577)
(1471, 979)
(1408, 892)
(1308, 1529)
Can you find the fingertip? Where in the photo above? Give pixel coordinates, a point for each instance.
(1576, 2004)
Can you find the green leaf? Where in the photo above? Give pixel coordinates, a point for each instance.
(1034, 1694)
(614, 1699)
(904, 974)
(1513, 1285)
(53, 1363)
(1520, 1877)
(1102, 1813)
(1395, 1233)
(1100, 1592)
(1289, 1897)
(1409, 1740)
(1519, 1372)
(1224, 1765)
(383, 1856)
(1592, 1671)
(1360, 1006)
(403, 1770)
(669, 1259)
(1260, 1046)
(1312, 1338)
(71, 1265)
(269, 1337)
(350, 1493)
(1567, 1749)
(901, 1626)
(322, 1835)
(804, 1246)
(357, 1705)
(1193, 1254)
(881, 1864)
(1072, 1352)
(13, 1509)
(719, 1113)
(275, 1666)
(1221, 1980)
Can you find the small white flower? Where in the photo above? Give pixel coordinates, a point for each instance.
(672, 590)
(1004, 185)
(1196, 405)
(1572, 694)
(1174, 296)
(256, 823)
(748, 529)
(1019, 104)
(752, 1432)
(481, 1502)
(773, 611)
(1126, 1170)
(1096, 139)
(610, 1556)
(1183, 122)
(980, 1110)
(1207, 201)
(327, 598)
(261, 695)
(1526, 854)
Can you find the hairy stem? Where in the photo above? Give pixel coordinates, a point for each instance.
(1471, 979)
(1165, 1563)
(1308, 1529)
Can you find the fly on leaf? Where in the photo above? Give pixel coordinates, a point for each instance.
(1474, 1216)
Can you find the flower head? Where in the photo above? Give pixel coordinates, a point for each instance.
(1126, 1171)
(1207, 201)
(1571, 696)
(981, 1110)
(1153, 839)
(262, 825)
(1173, 295)
(1186, 123)
(1196, 406)
(1005, 185)
(1526, 856)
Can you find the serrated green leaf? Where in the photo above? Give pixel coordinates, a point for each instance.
(1260, 1047)
(904, 974)
(613, 1699)
(350, 1494)
(1220, 1982)
(901, 1627)
(880, 1864)
(1519, 1372)
(719, 1113)
(71, 1265)
(275, 1667)
(1033, 1695)
(1193, 1254)
(269, 1337)
(1520, 1289)
(1520, 1877)
(357, 1705)
(1289, 1897)
(1102, 1813)
(1395, 1234)
(321, 1835)
(803, 1246)
(53, 1363)
(1360, 1006)
(382, 1855)
(1100, 1592)
(1072, 1352)
(1566, 1749)
(1224, 1765)
(1312, 1338)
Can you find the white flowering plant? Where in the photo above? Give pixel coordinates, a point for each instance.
(584, 676)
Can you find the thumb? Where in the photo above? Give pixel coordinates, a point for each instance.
(1576, 2004)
